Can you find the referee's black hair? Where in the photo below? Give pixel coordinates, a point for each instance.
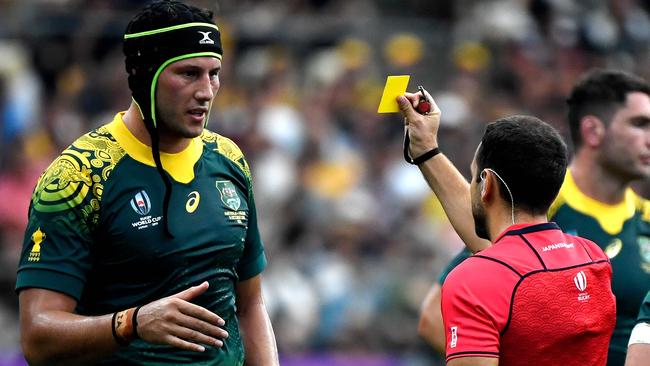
(529, 155)
(160, 14)
(601, 93)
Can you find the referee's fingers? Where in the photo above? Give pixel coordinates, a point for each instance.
(406, 107)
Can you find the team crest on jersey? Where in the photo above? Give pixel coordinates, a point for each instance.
(644, 252)
(141, 203)
(229, 195)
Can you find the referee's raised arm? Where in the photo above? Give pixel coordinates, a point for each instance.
(443, 177)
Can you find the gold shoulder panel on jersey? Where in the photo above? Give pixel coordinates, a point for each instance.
(227, 148)
(79, 171)
(557, 203)
(643, 206)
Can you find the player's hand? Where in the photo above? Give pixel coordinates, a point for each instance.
(422, 128)
(175, 321)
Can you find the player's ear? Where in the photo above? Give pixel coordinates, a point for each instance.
(592, 130)
(483, 178)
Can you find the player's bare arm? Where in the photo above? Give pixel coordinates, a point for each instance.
(53, 334)
(474, 361)
(430, 326)
(259, 340)
(443, 177)
(638, 355)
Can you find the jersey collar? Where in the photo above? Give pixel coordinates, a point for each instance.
(610, 217)
(179, 165)
(520, 229)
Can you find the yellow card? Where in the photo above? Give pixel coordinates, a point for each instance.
(395, 85)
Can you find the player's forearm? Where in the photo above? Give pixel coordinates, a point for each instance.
(430, 325)
(61, 338)
(452, 190)
(258, 337)
(637, 355)
(432, 333)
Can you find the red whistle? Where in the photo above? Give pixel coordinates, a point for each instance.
(424, 106)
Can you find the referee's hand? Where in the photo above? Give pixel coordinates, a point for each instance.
(422, 128)
(175, 321)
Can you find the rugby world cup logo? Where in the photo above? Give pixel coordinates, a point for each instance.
(580, 280)
(141, 203)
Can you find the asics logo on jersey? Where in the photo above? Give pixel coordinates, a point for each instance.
(141, 203)
(192, 201)
(206, 38)
(614, 248)
(580, 281)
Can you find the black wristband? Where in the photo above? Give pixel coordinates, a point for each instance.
(420, 159)
(119, 340)
(426, 156)
(135, 322)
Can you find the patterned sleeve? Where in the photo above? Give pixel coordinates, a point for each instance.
(63, 214)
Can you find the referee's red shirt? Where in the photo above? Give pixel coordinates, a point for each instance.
(536, 297)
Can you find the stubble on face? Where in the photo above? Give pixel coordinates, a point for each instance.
(185, 91)
(480, 220)
(626, 152)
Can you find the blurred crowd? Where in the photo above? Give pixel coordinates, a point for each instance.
(353, 235)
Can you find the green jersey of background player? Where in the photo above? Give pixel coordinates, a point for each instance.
(142, 245)
(609, 119)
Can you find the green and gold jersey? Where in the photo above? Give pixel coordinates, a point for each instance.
(96, 233)
(623, 232)
(644, 312)
(458, 259)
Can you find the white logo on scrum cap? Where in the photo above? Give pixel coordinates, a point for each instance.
(580, 281)
(206, 38)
